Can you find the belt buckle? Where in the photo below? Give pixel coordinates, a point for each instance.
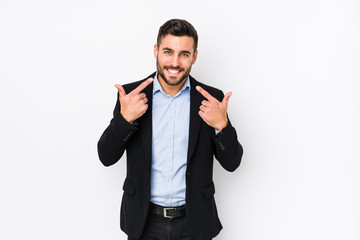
(165, 212)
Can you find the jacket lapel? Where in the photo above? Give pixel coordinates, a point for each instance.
(195, 120)
(146, 123)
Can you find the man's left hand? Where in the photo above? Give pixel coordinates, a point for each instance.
(212, 111)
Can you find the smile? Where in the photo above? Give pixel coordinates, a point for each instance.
(173, 71)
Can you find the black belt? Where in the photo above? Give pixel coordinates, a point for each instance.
(168, 212)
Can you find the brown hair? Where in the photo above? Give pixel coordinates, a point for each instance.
(178, 27)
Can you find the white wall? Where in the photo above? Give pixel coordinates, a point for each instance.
(293, 68)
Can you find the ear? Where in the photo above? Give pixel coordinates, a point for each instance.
(194, 57)
(156, 50)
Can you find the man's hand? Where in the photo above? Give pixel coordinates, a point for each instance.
(212, 111)
(133, 105)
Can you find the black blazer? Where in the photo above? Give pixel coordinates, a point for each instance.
(203, 145)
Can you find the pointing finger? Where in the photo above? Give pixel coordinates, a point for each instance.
(226, 98)
(143, 85)
(121, 90)
(205, 93)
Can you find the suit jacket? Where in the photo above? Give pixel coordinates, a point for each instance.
(136, 139)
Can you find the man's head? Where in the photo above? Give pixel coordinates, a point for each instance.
(175, 51)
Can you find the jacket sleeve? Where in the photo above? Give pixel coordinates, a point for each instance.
(115, 138)
(228, 150)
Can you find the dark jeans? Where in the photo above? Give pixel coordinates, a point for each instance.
(160, 228)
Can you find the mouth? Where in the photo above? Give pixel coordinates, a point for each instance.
(173, 72)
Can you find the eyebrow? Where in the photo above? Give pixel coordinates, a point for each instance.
(169, 49)
(186, 52)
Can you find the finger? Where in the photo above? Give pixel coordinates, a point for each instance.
(226, 98)
(121, 90)
(143, 85)
(145, 100)
(202, 115)
(142, 96)
(205, 93)
(145, 108)
(205, 103)
(203, 108)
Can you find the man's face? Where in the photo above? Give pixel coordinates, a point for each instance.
(174, 58)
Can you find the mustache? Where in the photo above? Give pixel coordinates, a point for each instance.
(175, 68)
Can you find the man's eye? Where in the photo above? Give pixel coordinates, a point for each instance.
(185, 55)
(167, 52)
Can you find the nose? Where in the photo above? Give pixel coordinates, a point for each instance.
(175, 61)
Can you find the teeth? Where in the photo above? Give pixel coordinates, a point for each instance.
(172, 71)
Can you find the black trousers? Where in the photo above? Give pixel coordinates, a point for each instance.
(160, 228)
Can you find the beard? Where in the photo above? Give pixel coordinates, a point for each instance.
(172, 80)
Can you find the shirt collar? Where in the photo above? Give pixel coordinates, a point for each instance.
(157, 87)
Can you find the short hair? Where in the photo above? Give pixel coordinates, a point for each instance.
(178, 27)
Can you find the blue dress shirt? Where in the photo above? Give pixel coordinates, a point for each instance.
(170, 137)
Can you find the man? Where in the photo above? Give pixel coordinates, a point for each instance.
(171, 126)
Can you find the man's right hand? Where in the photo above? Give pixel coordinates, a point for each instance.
(133, 104)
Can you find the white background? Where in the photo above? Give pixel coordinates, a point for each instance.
(293, 68)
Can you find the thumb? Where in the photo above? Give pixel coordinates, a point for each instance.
(226, 98)
(121, 90)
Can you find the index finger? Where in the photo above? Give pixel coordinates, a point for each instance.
(205, 93)
(143, 85)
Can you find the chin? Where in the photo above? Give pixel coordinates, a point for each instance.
(174, 82)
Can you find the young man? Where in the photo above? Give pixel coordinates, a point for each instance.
(171, 126)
